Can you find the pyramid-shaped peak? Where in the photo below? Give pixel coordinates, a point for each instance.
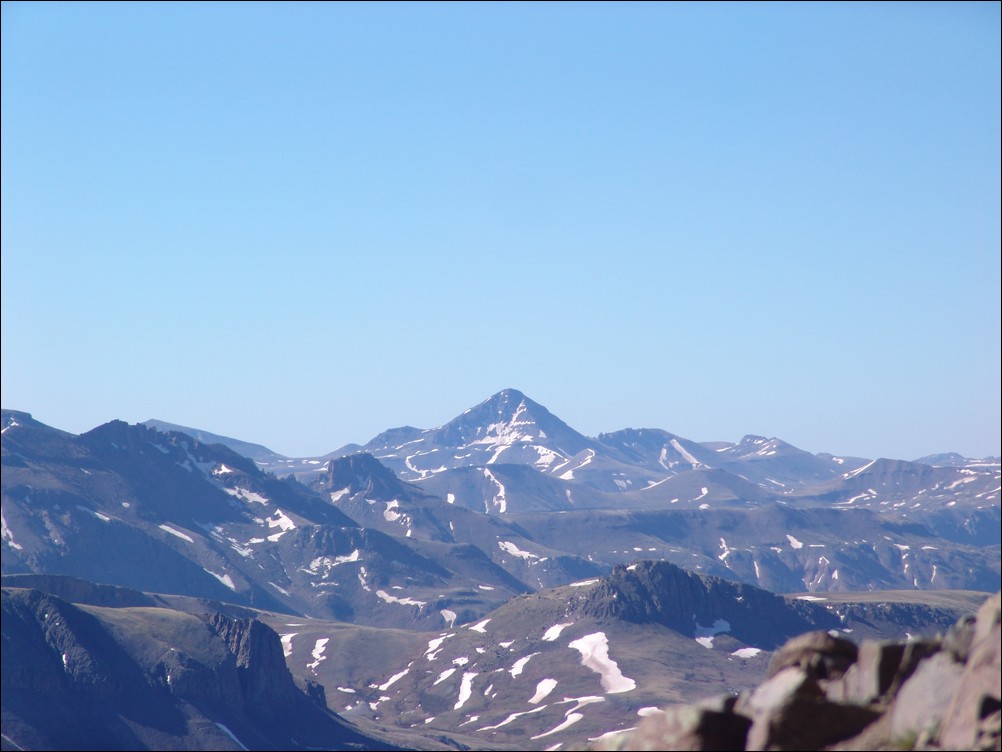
(506, 418)
(508, 409)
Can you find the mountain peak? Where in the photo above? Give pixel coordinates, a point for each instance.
(508, 394)
(507, 418)
(507, 427)
(506, 403)
(362, 473)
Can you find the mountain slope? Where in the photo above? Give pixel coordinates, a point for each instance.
(569, 664)
(255, 452)
(133, 678)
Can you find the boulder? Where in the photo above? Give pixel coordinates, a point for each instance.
(819, 654)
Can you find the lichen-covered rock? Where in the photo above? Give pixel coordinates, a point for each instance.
(819, 654)
(918, 706)
(790, 711)
(871, 676)
(974, 717)
(692, 728)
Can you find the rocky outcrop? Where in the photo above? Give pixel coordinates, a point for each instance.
(825, 692)
(265, 681)
(663, 593)
(363, 474)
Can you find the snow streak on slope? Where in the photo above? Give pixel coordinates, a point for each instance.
(543, 689)
(176, 533)
(517, 667)
(383, 595)
(465, 689)
(318, 653)
(499, 498)
(594, 649)
(685, 454)
(553, 632)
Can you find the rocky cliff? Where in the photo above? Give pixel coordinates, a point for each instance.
(86, 677)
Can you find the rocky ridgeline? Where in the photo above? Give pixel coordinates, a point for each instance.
(77, 677)
(825, 692)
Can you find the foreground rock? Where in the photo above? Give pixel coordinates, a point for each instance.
(824, 692)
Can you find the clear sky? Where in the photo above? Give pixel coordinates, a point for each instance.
(300, 225)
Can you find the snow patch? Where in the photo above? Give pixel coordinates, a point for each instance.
(511, 718)
(223, 578)
(102, 517)
(176, 533)
(569, 474)
(465, 689)
(433, 646)
(594, 649)
(553, 632)
(383, 595)
(443, 676)
(511, 548)
(794, 543)
(543, 689)
(650, 710)
(392, 680)
(390, 514)
(499, 498)
(570, 720)
(281, 521)
(517, 667)
(244, 495)
(725, 550)
(858, 470)
(318, 653)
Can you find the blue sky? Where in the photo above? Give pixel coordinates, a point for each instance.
(302, 224)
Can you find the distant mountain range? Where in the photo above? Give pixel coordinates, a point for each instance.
(417, 578)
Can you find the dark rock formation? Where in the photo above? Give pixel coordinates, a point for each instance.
(660, 592)
(85, 677)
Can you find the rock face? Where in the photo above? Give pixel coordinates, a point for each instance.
(660, 592)
(85, 677)
(824, 692)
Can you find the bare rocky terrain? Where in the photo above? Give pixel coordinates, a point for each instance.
(500, 581)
